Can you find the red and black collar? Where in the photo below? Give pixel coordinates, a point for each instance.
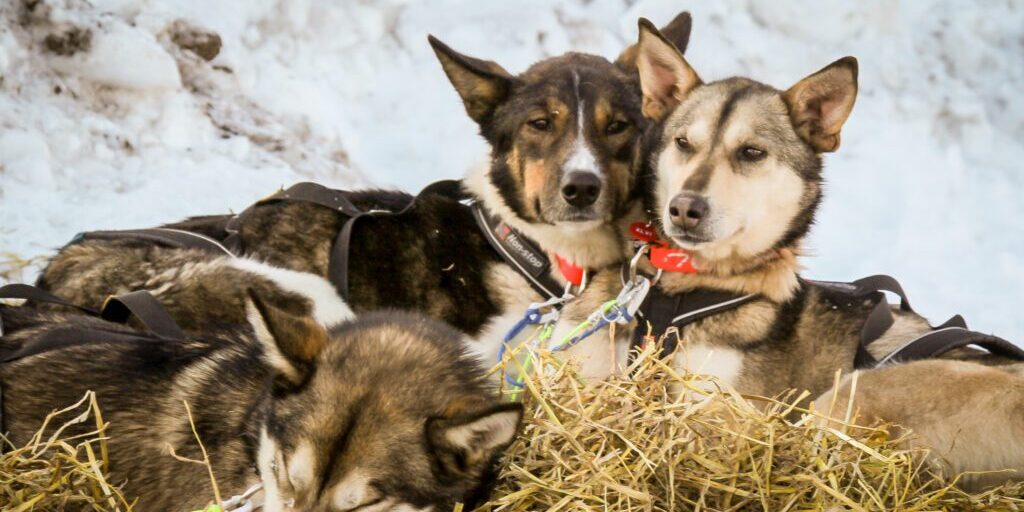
(526, 257)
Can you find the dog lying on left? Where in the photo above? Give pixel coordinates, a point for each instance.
(386, 413)
(736, 179)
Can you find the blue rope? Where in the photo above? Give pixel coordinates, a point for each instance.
(533, 316)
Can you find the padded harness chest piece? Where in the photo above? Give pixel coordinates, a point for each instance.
(660, 311)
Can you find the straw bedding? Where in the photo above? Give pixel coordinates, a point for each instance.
(625, 445)
(619, 445)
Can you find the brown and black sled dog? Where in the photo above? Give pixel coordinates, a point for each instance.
(566, 153)
(385, 413)
(736, 174)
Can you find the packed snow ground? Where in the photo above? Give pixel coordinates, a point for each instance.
(136, 131)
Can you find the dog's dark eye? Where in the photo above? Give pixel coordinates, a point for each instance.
(751, 154)
(683, 144)
(542, 124)
(616, 127)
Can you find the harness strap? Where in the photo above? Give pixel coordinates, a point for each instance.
(519, 252)
(339, 201)
(307, 192)
(29, 292)
(117, 308)
(63, 337)
(163, 236)
(950, 335)
(337, 271)
(144, 306)
(880, 318)
(867, 285)
(662, 311)
(944, 339)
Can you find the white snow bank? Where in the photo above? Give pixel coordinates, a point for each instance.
(122, 56)
(924, 187)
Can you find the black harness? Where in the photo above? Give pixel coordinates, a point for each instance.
(513, 247)
(517, 250)
(661, 311)
(140, 304)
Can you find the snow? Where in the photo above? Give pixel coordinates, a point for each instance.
(136, 131)
(122, 56)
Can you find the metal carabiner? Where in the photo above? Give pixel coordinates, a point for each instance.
(633, 295)
(636, 261)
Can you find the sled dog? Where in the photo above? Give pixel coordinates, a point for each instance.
(736, 175)
(384, 413)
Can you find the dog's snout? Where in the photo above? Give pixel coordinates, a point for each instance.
(581, 189)
(688, 210)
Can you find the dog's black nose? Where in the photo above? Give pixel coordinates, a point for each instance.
(581, 189)
(687, 210)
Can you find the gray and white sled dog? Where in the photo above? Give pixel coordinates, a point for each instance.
(736, 174)
(383, 413)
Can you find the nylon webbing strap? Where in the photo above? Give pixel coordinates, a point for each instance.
(949, 336)
(660, 311)
(880, 318)
(29, 292)
(944, 339)
(519, 252)
(339, 201)
(118, 308)
(337, 271)
(63, 337)
(142, 304)
(163, 236)
(147, 310)
(307, 192)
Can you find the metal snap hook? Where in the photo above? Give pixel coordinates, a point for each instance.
(636, 261)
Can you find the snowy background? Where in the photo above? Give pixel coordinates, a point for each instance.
(110, 119)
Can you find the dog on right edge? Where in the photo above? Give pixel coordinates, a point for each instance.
(736, 179)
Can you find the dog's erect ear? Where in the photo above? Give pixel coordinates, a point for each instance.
(820, 103)
(290, 343)
(482, 84)
(676, 32)
(464, 443)
(665, 76)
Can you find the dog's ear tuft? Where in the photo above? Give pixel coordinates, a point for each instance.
(820, 103)
(481, 84)
(290, 343)
(466, 443)
(665, 76)
(677, 32)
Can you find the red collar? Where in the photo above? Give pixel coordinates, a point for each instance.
(662, 255)
(570, 271)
